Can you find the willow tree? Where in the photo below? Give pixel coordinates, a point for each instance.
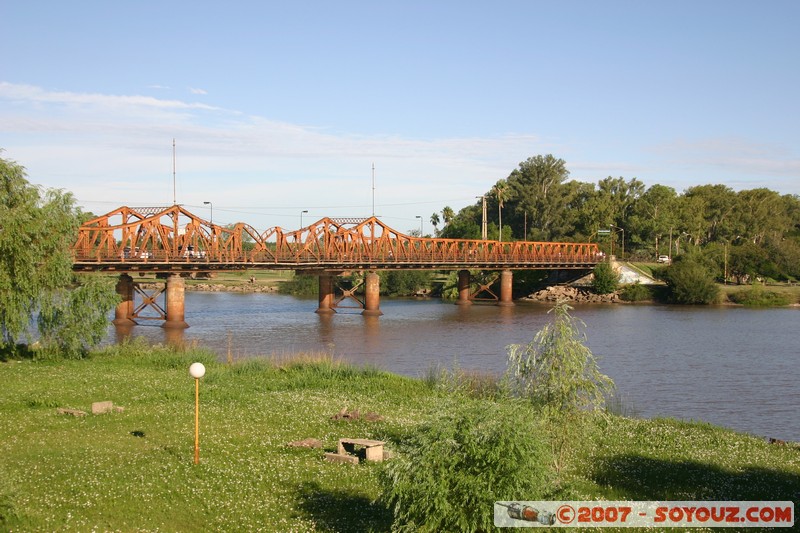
(38, 290)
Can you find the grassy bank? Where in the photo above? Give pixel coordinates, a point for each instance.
(133, 470)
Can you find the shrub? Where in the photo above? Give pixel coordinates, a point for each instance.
(635, 292)
(556, 370)
(471, 453)
(691, 282)
(606, 279)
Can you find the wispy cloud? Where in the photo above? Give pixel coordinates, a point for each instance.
(197, 91)
(86, 142)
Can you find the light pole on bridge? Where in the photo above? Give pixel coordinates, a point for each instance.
(301, 217)
(483, 223)
(211, 205)
(623, 239)
(420, 224)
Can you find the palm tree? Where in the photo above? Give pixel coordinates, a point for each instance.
(448, 214)
(435, 221)
(499, 190)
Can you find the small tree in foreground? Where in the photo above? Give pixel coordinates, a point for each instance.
(556, 370)
(471, 453)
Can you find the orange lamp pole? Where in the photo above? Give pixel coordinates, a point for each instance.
(197, 371)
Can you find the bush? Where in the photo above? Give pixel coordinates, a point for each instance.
(556, 370)
(452, 469)
(691, 282)
(606, 279)
(635, 293)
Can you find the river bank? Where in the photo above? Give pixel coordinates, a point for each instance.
(60, 472)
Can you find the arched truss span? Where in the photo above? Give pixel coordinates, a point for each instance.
(164, 238)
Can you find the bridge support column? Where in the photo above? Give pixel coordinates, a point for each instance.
(463, 288)
(176, 302)
(506, 285)
(124, 310)
(326, 294)
(372, 298)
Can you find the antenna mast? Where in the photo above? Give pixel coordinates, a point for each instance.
(174, 195)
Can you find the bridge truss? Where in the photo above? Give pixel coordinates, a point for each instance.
(172, 239)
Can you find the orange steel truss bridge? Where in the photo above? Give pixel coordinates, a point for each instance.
(171, 241)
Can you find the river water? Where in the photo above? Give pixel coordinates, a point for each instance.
(730, 366)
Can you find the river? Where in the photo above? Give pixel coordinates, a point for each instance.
(730, 366)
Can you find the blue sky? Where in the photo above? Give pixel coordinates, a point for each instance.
(279, 107)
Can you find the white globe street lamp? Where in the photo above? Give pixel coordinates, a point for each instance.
(197, 371)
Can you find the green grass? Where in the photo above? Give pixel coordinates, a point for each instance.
(757, 295)
(134, 471)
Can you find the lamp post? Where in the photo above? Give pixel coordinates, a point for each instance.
(212, 211)
(420, 224)
(197, 371)
(623, 239)
(301, 217)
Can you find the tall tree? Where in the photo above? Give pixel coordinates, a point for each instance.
(711, 211)
(435, 222)
(538, 189)
(37, 230)
(447, 214)
(653, 217)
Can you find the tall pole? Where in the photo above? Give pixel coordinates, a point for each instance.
(483, 223)
(174, 189)
(211, 205)
(197, 371)
(373, 190)
(420, 224)
(196, 421)
(301, 217)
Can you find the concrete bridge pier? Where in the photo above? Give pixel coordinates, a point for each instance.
(176, 302)
(463, 288)
(372, 296)
(326, 294)
(124, 310)
(506, 286)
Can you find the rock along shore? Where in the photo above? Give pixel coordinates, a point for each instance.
(571, 294)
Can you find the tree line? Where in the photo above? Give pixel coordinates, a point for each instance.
(749, 233)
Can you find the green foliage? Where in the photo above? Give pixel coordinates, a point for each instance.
(606, 279)
(404, 282)
(37, 231)
(635, 292)
(691, 282)
(72, 320)
(540, 204)
(756, 296)
(300, 285)
(471, 453)
(556, 370)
